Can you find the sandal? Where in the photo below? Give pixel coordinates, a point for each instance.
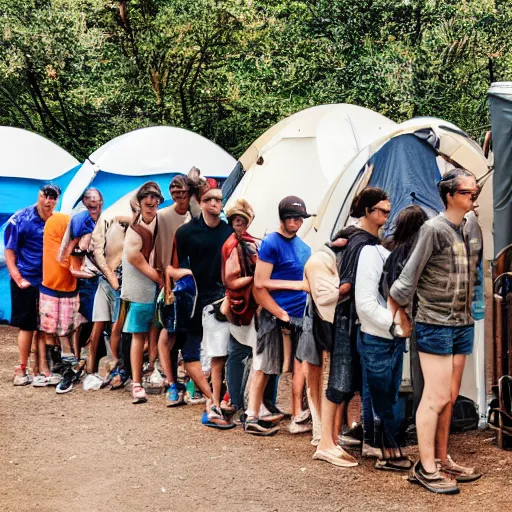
(215, 419)
(459, 473)
(404, 464)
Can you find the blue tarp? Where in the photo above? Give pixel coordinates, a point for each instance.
(407, 165)
(115, 186)
(15, 194)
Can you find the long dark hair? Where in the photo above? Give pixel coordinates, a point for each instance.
(408, 224)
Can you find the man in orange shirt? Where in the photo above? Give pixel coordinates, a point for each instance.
(58, 300)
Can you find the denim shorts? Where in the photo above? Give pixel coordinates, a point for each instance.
(444, 340)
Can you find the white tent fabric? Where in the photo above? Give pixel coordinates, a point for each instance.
(334, 213)
(151, 151)
(29, 155)
(302, 155)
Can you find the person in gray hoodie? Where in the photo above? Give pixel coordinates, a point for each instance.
(441, 271)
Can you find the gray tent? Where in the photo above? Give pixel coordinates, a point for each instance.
(500, 100)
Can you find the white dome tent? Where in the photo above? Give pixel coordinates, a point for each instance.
(157, 153)
(460, 150)
(301, 155)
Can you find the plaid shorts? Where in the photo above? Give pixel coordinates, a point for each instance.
(59, 315)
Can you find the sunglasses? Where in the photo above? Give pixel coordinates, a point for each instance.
(382, 210)
(465, 192)
(296, 218)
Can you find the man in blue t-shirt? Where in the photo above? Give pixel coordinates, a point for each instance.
(23, 242)
(280, 289)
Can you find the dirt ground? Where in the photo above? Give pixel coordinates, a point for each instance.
(95, 451)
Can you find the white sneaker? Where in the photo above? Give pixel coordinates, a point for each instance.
(42, 381)
(21, 377)
(303, 416)
(299, 428)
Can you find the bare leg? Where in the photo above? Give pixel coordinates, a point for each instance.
(165, 344)
(437, 372)
(41, 349)
(217, 368)
(24, 344)
(313, 376)
(153, 345)
(338, 421)
(298, 382)
(136, 355)
(287, 351)
(65, 345)
(329, 412)
(443, 425)
(35, 351)
(94, 341)
(76, 341)
(115, 338)
(195, 372)
(257, 388)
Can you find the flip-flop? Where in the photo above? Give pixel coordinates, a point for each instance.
(394, 465)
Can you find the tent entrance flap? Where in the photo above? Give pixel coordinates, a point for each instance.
(406, 168)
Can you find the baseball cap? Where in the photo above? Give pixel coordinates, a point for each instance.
(50, 190)
(293, 206)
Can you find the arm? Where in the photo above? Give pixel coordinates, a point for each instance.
(10, 261)
(261, 293)
(404, 287)
(98, 249)
(369, 310)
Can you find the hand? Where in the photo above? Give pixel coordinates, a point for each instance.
(23, 283)
(404, 322)
(305, 286)
(339, 242)
(283, 316)
(114, 282)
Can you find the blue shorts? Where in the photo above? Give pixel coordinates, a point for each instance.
(191, 347)
(444, 340)
(139, 317)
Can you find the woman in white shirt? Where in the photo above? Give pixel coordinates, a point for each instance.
(382, 341)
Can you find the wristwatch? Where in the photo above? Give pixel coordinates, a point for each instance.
(396, 330)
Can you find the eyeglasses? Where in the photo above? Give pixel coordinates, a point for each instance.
(466, 192)
(381, 210)
(208, 199)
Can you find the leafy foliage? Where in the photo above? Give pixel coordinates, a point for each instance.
(81, 73)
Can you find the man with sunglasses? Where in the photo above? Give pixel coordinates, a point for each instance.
(198, 246)
(23, 242)
(441, 271)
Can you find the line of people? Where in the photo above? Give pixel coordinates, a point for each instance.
(182, 283)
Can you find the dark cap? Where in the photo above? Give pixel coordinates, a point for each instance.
(293, 206)
(50, 190)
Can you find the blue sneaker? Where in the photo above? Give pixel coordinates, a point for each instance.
(204, 418)
(174, 396)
